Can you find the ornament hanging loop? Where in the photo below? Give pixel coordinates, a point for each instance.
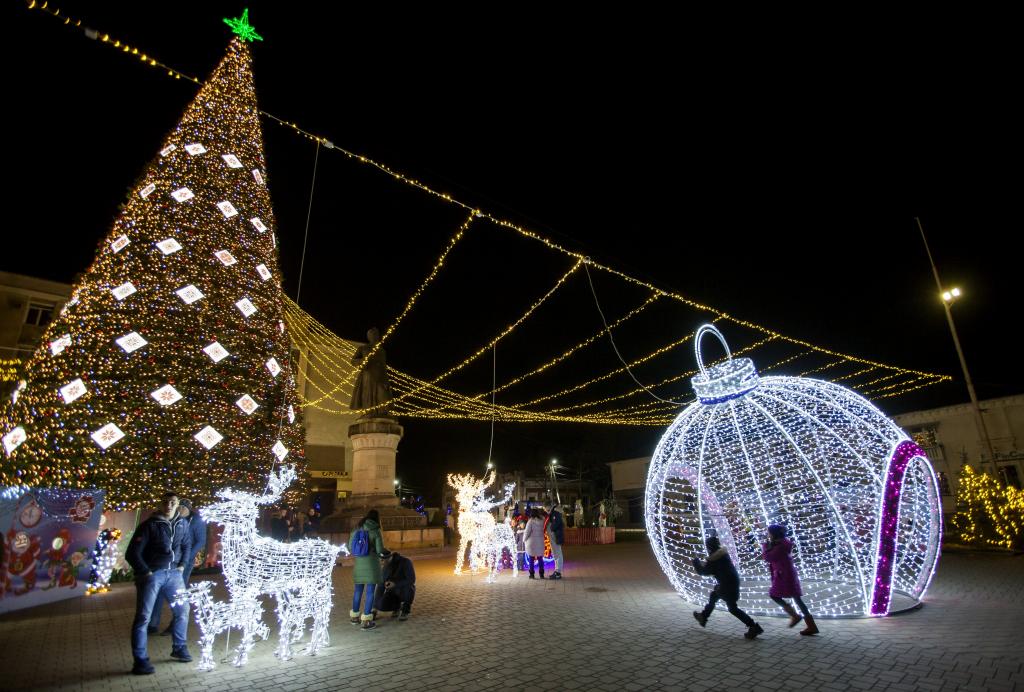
(708, 329)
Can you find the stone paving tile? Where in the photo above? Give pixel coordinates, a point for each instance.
(613, 623)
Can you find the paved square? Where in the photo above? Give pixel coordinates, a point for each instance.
(613, 623)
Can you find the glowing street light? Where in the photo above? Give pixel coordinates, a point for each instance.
(948, 298)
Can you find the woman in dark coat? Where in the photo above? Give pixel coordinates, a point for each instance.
(785, 582)
(367, 573)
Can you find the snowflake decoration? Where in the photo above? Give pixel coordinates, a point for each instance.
(231, 160)
(60, 343)
(247, 404)
(216, 352)
(13, 439)
(273, 367)
(227, 209)
(107, 435)
(208, 437)
(166, 395)
(246, 307)
(169, 246)
(123, 291)
(258, 224)
(226, 258)
(119, 243)
(72, 390)
(168, 149)
(195, 149)
(279, 450)
(147, 191)
(131, 342)
(190, 294)
(182, 194)
(262, 270)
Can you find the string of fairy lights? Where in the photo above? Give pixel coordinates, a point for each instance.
(328, 377)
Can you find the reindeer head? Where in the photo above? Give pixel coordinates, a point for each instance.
(469, 489)
(239, 506)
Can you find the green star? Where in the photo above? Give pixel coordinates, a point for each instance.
(243, 28)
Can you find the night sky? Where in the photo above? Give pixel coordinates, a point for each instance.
(780, 186)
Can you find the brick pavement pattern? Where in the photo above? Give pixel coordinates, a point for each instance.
(613, 623)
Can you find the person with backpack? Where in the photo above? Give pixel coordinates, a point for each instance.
(366, 545)
(719, 565)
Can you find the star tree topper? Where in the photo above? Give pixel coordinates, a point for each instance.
(243, 28)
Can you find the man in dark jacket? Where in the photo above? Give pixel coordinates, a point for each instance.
(399, 585)
(197, 532)
(157, 553)
(719, 565)
(555, 527)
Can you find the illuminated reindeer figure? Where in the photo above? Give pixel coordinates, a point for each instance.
(297, 575)
(477, 527)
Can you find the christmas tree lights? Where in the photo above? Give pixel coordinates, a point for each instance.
(860, 497)
(104, 557)
(169, 367)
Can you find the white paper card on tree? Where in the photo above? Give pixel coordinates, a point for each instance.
(119, 243)
(291, 413)
(263, 271)
(247, 404)
(208, 437)
(72, 390)
(123, 291)
(190, 294)
(147, 191)
(231, 160)
(280, 451)
(245, 306)
(226, 258)
(195, 149)
(13, 439)
(107, 435)
(60, 343)
(131, 342)
(257, 175)
(166, 395)
(168, 149)
(182, 194)
(216, 352)
(227, 209)
(169, 246)
(258, 224)
(273, 367)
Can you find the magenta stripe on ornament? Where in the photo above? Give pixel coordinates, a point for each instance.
(889, 525)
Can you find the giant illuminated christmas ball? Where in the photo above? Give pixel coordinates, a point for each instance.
(859, 496)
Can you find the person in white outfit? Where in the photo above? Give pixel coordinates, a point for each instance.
(533, 540)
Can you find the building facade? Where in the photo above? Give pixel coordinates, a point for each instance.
(27, 306)
(629, 483)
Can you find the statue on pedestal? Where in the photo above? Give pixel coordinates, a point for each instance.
(372, 390)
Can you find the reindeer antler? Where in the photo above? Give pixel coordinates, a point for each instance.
(277, 484)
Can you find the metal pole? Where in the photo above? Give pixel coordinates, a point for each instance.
(978, 418)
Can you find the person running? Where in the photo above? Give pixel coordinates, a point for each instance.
(785, 582)
(719, 565)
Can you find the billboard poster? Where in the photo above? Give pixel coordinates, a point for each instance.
(48, 539)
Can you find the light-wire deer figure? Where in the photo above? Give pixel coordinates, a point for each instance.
(477, 528)
(297, 575)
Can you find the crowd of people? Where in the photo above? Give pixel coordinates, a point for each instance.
(531, 529)
(288, 525)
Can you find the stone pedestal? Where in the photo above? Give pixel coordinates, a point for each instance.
(374, 445)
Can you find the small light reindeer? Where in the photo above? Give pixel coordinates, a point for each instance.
(477, 527)
(298, 575)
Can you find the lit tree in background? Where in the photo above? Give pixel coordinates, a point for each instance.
(989, 512)
(170, 366)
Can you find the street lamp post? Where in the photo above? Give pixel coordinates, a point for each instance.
(554, 481)
(398, 489)
(948, 298)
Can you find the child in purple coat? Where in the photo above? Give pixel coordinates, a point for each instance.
(785, 582)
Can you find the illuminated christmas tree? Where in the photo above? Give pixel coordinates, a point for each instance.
(170, 367)
(988, 512)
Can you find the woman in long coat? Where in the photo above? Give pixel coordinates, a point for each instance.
(533, 540)
(367, 573)
(785, 582)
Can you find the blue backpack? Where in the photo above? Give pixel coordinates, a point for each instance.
(360, 543)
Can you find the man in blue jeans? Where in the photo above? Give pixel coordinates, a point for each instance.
(157, 554)
(197, 531)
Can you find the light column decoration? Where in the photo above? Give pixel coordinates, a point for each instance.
(860, 497)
